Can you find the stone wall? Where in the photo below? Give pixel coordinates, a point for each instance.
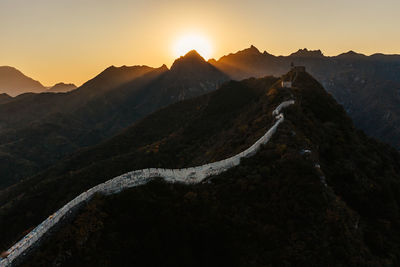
(139, 177)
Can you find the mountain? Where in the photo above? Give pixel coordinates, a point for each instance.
(367, 86)
(249, 62)
(320, 193)
(37, 130)
(307, 53)
(351, 55)
(4, 98)
(62, 88)
(189, 76)
(13, 82)
(111, 78)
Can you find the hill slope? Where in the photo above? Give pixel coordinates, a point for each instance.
(321, 193)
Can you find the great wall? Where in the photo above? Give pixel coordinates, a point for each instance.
(139, 177)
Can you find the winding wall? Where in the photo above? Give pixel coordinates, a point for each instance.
(140, 177)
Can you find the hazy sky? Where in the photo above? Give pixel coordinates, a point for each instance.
(73, 40)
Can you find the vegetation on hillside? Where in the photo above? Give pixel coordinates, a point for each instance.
(367, 86)
(273, 209)
(38, 130)
(189, 133)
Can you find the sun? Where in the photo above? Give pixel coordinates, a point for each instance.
(190, 42)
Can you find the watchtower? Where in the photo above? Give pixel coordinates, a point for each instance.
(288, 79)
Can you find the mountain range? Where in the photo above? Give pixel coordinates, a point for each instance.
(368, 87)
(36, 130)
(320, 193)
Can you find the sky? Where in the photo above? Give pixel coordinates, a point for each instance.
(74, 40)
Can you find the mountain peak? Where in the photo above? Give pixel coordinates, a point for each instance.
(351, 54)
(163, 67)
(193, 54)
(62, 87)
(14, 82)
(252, 50)
(191, 58)
(307, 53)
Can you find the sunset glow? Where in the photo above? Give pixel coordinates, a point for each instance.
(45, 41)
(190, 42)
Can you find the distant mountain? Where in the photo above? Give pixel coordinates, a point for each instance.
(307, 53)
(189, 76)
(62, 88)
(249, 63)
(4, 98)
(351, 55)
(367, 86)
(36, 130)
(13, 82)
(320, 193)
(111, 78)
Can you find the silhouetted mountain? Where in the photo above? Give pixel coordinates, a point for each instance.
(189, 76)
(62, 88)
(37, 130)
(307, 53)
(249, 63)
(320, 193)
(367, 86)
(351, 55)
(4, 98)
(14, 82)
(111, 78)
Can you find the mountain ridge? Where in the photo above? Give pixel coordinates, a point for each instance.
(367, 86)
(14, 82)
(192, 175)
(318, 181)
(43, 128)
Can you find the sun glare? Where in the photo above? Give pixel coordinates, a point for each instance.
(193, 42)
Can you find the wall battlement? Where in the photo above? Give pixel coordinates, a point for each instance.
(115, 185)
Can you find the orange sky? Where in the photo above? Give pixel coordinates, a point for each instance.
(73, 40)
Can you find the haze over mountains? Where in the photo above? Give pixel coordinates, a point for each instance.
(36, 130)
(62, 88)
(368, 87)
(13, 82)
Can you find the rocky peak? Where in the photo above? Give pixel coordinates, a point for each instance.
(191, 59)
(307, 53)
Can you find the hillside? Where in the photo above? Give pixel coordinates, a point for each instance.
(38, 130)
(320, 193)
(13, 82)
(197, 130)
(367, 86)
